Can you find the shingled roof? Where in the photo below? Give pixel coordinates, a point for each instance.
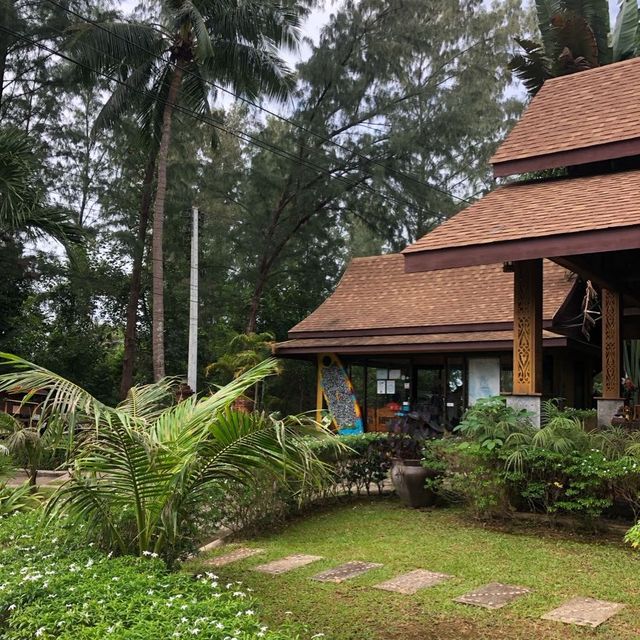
(574, 119)
(376, 294)
(578, 118)
(537, 219)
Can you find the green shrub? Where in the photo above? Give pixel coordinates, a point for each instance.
(503, 464)
(492, 424)
(60, 586)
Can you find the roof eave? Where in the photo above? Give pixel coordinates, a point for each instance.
(565, 244)
(570, 157)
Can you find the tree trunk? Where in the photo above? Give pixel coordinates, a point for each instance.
(256, 299)
(126, 382)
(157, 323)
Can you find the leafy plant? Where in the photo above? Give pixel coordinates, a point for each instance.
(60, 586)
(17, 499)
(492, 423)
(29, 443)
(143, 468)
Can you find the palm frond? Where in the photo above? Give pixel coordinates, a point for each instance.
(115, 47)
(148, 401)
(63, 397)
(533, 68)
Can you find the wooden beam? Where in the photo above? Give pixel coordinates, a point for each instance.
(571, 157)
(524, 248)
(319, 393)
(527, 333)
(611, 344)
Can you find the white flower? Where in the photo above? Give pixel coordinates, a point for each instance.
(40, 631)
(12, 607)
(111, 629)
(318, 635)
(249, 612)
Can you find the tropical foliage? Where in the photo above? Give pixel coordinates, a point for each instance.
(142, 469)
(575, 36)
(385, 132)
(167, 63)
(24, 208)
(504, 464)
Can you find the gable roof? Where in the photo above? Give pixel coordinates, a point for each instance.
(537, 219)
(376, 297)
(582, 117)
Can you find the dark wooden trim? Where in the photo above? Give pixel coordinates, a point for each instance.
(449, 347)
(586, 155)
(410, 331)
(561, 245)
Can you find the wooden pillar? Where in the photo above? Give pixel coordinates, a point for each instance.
(527, 327)
(611, 345)
(319, 394)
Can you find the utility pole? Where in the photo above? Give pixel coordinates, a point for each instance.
(192, 366)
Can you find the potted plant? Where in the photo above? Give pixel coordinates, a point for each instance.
(412, 474)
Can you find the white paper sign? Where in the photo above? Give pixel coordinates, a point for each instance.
(395, 374)
(391, 386)
(484, 378)
(382, 374)
(382, 387)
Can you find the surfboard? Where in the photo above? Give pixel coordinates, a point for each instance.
(337, 390)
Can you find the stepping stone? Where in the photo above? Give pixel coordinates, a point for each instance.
(586, 612)
(493, 595)
(233, 556)
(346, 571)
(410, 583)
(287, 564)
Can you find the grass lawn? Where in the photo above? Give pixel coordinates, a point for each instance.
(555, 566)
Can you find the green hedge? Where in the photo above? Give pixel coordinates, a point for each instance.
(59, 586)
(357, 469)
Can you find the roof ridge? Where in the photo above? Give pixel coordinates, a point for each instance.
(601, 68)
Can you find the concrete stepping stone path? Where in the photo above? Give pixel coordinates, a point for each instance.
(410, 583)
(237, 554)
(287, 564)
(346, 571)
(493, 595)
(586, 612)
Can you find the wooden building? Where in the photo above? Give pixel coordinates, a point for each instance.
(500, 262)
(442, 339)
(587, 127)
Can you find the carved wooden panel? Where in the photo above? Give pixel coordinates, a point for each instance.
(611, 343)
(527, 327)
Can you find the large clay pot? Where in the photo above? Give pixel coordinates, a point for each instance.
(409, 477)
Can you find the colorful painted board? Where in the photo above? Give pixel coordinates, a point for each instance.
(339, 395)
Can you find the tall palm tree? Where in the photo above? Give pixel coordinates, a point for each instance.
(171, 58)
(575, 37)
(24, 208)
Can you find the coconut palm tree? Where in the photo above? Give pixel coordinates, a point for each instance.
(145, 466)
(575, 37)
(170, 58)
(24, 209)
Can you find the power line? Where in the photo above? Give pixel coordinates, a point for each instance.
(241, 135)
(301, 127)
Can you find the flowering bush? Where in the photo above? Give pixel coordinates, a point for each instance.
(60, 586)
